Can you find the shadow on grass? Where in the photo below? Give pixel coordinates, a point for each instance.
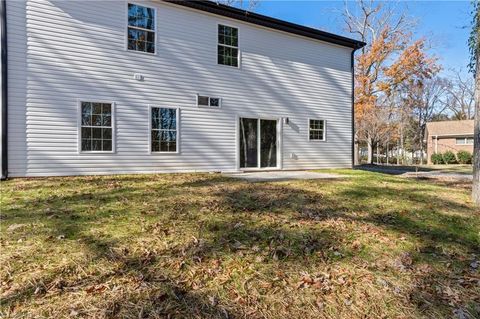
(224, 234)
(393, 170)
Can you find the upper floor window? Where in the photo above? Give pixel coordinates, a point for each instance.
(96, 133)
(141, 28)
(464, 141)
(316, 130)
(227, 45)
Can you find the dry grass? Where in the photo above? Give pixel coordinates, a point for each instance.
(205, 246)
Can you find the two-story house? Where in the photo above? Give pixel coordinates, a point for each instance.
(107, 87)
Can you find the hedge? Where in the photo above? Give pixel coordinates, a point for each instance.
(437, 158)
(464, 157)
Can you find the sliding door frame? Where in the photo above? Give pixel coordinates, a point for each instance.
(279, 145)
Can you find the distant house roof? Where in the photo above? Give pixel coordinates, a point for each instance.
(269, 22)
(450, 128)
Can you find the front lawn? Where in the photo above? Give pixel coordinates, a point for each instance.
(206, 246)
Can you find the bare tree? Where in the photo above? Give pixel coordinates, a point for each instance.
(386, 33)
(248, 5)
(460, 96)
(425, 100)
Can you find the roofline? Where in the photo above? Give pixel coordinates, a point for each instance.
(269, 22)
(452, 135)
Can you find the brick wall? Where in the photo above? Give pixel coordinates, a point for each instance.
(445, 144)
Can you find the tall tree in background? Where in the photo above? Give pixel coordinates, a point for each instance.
(248, 5)
(391, 62)
(409, 77)
(474, 45)
(460, 96)
(385, 33)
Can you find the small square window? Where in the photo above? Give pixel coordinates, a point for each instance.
(214, 102)
(203, 100)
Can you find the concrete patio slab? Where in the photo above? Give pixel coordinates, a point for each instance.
(277, 176)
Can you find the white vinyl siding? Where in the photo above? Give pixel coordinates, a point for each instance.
(17, 88)
(281, 75)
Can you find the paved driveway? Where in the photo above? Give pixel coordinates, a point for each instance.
(421, 172)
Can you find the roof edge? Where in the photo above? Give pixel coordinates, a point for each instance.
(269, 22)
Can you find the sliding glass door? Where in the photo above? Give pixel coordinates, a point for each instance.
(258, 143)
(248, 142)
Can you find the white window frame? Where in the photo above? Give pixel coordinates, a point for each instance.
(177, 118)
(324, 130)
(209, 106)
(239, 55)
(79, 125)
(465, 139)
(154, 29)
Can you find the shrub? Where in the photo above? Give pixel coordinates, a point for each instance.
(449, 157)
(437, 158)
(464, 157)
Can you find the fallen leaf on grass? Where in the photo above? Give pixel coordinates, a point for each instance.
(96, 289)
(14, 227)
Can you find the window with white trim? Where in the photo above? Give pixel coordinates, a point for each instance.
(164, 134)
(316, 130)
(96, 127)
(227, 46)
(141, 28)
(464, 141)
(207, 101)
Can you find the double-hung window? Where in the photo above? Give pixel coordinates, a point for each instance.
(96, 127)
(141, 28)
(227, 45)
(316, 130)
(164, 130)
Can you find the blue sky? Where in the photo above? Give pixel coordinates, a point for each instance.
(443, 22)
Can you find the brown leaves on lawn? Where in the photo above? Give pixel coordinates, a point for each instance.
(202, 246)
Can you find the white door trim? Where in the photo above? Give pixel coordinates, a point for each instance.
(279, 143)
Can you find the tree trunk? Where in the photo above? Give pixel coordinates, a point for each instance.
(356, 151)
(370, 151)
(421, 153)
(402, 146)
(476, 139)
(387, 153)
(398, 152)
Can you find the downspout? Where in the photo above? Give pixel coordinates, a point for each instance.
(4, 79)
(352, 66)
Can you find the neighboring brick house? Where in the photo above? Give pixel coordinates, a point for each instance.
(449, 136)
